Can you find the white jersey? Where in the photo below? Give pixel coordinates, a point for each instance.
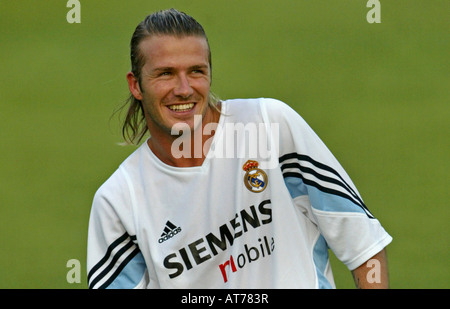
(236, 221)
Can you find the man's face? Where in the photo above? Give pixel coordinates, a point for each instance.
(175, 81)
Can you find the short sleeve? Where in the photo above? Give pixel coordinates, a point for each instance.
(312, 174)
(114, 260)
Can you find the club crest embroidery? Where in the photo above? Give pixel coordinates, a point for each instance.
(255, 179)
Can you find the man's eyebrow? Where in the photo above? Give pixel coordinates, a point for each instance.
(199, 66)
(171, 69)
(162, 69)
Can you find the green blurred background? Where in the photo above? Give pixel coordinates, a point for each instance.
(377, 94)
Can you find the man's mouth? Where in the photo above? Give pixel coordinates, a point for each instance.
(181, 107)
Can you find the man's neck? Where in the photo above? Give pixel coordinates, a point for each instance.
(189, 149)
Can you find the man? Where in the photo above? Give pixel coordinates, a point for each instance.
(226, 216)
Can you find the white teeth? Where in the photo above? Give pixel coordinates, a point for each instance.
(181, 107)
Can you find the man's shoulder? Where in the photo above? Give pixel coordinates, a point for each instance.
(250, 102)
(117, 181)
(273, 108)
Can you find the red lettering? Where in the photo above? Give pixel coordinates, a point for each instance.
(230, 263)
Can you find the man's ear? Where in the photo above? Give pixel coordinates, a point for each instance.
(133, 85)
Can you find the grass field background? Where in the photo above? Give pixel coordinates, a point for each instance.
(377, 94)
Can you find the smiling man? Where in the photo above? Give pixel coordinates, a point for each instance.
(168, 221)
(172, 82)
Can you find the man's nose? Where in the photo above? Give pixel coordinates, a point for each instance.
(183, 87)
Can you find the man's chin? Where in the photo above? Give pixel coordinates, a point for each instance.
(183, 127)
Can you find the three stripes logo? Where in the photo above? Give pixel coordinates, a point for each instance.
(320, 176)
(170, 231)
(117, 256)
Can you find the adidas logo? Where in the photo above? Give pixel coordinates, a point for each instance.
(169, 231)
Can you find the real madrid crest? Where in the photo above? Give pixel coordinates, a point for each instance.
(255, 179)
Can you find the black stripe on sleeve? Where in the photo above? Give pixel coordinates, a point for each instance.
(319, 165)
(307, 170)
(352, 195)
(111, 264)
(120, 268)
(107, 254)
(119, 241)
